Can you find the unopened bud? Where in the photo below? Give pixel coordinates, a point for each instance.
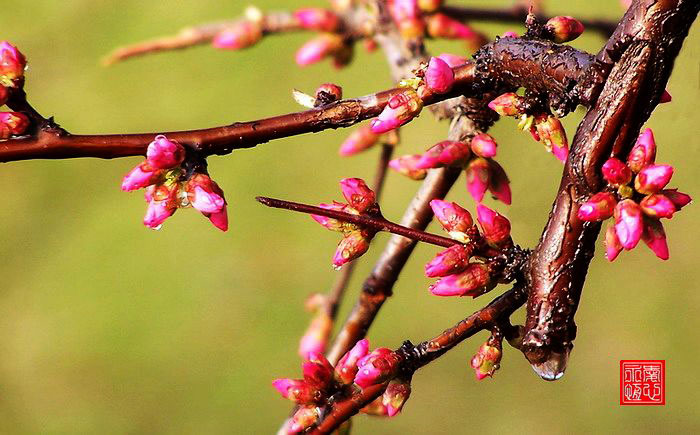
(644, 151)
(358, 141)
(449, 262)
(499, 184)
(12, 124)
(453, 218)
(508, 104)
(401, 109)
(496, 227)
(658, 206)
(487, 359)
(654, 237)
(452, 60)
(357, 193)
(564, 28)
(599, 207)
(304, 418)
(484, 145)
(439, 77)
(242, 35)
(612, 244)
(346, 369)
(616, 172)
(679, 199)
(407, 165)
(352, 246)
(319, 19)
(444, 153)
(12, 64)
(628, 223)
(334, 224)
(328, 93)
(553, 136)
(318, 48)
(474, 281)
(316, 337)
(653, 178)
(395, 396)
(478, 172)
(442, 26)
(377, 367)
(141, 176)
(318, 372)
(163, 153)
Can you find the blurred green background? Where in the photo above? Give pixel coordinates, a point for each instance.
(107, 327)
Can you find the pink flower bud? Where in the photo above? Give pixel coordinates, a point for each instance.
(478, 174)
(319, 19)
(141, 176)
(156, 213)
(429, 5)
(655, 238)
(407, 165)
(496, 228)
(204, 194)
(679, 199)
(483, 145)
(12, 123)
(297, 390)
(376, 408)
(316, 337)
(564, 29)
(12, 64)
(487, 359)
(553, 136)
(304, 418)
(353, 245)
(318, 48)
(628, 223)
(616, 172)
(644, 151)
(452, 60)
(165, 154)
(219, 219)
(330, 223)
(452, 217)
(665, 97)
(448, 262)
(444, 153)
(395, 396)
(612, 244)
(407, 17)
(508, 104)
(241, 35)
(328, 93)
(357, 194)
(474, 281)
(599, 207)
(509, 34)
(499, 184)
(658, 206)
(653, 178)
(358, 141)
(4, 95)
(346, 369)
(318, 372)
(442, 26)
(401, 109)
(377, 367)
(439, 77)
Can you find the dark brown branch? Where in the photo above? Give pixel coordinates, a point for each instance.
(509, 55)
(641, 55)
(415, 357)
(363, 220)
(518, 15)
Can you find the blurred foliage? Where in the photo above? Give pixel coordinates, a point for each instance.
(107, 327)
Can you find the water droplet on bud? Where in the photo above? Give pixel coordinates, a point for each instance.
(552, 368)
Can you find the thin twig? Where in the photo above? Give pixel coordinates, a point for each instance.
(361, 220)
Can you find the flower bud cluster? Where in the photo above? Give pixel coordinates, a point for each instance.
(12, 66)
(461, 272)
(356, 240)
(637, 199)
(543, 127)
(476, 157)
(169, 187)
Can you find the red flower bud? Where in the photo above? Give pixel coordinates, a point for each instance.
(679, 199)
(241, 35)
(352, 246)
(599, 207)
(346, 369)
(655, 238)
(453, 218)
(358, 141)
(448, 262)
(444, 153)
(12, 64)
(612, 244)
(658, 206)
(401, 109)
(377, 367)
(478, 173)
(644, 151)
(406, 165)
(508, 104)
(653, 178)
(487, 359)
(357, 194)
(396, 395)
(439, 77)
(496, 228)
(474, 281)
(12, 124)
(319, 19)
(318, 48)
(499, 184)
(628, 223)
(484, 145)
(616, 172)
(564, 29)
